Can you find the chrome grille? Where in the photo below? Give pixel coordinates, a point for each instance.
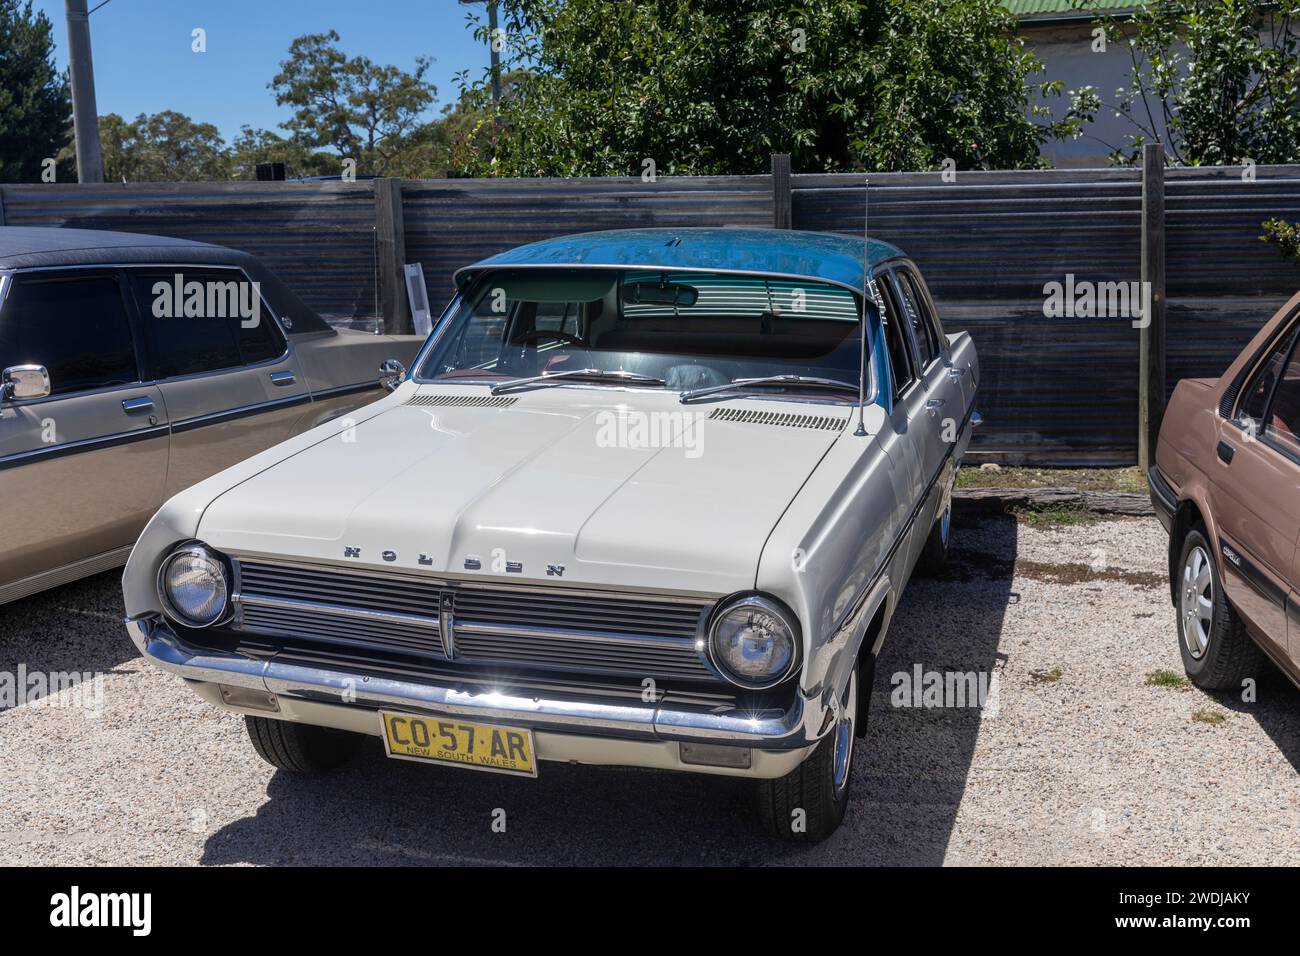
(615, 615)
(532, 628)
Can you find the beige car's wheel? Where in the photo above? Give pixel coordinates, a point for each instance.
(301, 748)
(1217, 652)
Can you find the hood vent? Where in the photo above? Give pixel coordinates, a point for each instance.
(785, 419)
(463, 401)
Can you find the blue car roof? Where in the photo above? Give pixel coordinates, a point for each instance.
(828, 256)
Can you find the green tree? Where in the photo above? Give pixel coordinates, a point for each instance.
(35, 105)
(362, 110)
(162, 147)
(716, 86)
(1217, 81)
(1284, 236)
(253, 146)
(468, 129)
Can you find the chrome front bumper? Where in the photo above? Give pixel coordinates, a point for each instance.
(792, 731)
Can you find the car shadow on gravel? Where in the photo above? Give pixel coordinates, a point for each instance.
(74, 628)
(910, 775)
(1276, 709)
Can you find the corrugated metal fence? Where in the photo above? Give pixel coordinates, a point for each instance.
(1055, 390)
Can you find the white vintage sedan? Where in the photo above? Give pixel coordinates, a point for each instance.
(646, 498)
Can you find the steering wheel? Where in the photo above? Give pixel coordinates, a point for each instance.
(532, 335)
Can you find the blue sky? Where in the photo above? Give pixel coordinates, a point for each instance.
(143, 61)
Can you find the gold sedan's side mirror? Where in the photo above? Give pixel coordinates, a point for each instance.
(391, 373)
(19, 382)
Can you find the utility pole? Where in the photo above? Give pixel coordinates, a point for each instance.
(85, 115)
(492, 45)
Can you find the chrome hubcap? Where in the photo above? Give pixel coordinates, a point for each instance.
(1196, 602)
(844, 736)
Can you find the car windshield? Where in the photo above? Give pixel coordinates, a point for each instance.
(674, 330)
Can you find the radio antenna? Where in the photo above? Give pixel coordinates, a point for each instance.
(866, 290)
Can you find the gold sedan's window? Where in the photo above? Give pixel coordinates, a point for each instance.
(74, 325)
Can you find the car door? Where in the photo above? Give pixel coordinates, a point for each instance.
(907, 411)
(939, 401)
(1255, 488)
(223, 365)
(83, 468)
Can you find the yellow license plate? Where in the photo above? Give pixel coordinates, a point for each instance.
(461, 742)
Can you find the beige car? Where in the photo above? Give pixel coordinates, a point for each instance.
(134, 366)
(1226, 485)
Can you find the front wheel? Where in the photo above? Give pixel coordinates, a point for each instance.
(935, 553)
(1217, 652)
(808, 804)
(300, 748)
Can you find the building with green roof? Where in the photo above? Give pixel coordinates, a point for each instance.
(1062, 35)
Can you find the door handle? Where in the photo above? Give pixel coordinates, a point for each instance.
(1225, 452)
(282, 378)
(934, 404)
(956, 374)
(142, 404)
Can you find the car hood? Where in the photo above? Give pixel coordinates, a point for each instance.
(557, 486)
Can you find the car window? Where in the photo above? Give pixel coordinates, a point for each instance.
(204, 320)
(556, 316)
(900, 359)
(258, 338)
(923, 324)
(927, 305)
(74, 325)
(1258, 392)
(912, 313)
(688, 329)
(1283, 421)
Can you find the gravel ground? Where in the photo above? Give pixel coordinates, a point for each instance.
(1073, 760)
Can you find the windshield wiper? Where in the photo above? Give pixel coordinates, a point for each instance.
(797, 381)
(581, 374)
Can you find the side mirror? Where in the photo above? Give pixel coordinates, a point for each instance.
(391, 373)
(19, 382)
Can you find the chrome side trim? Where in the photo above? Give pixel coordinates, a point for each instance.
(800, 725)
(23, 587)
(340, 390)
(82, 445)
(244, 411)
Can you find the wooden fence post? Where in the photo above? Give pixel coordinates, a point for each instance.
(782, 201)
(1151, 347)
(390, 255)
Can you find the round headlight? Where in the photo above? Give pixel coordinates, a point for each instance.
(193, 586)
(754, 642)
